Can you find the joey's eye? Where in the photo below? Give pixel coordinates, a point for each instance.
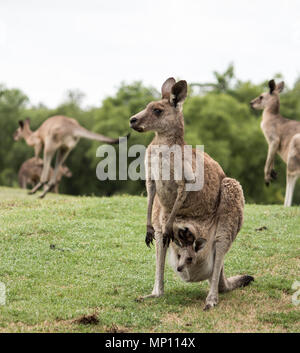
(157, 111)
(178, 256)
(261, 97)
(189, 259)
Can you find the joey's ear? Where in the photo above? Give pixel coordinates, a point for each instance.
(167, 87)
(21, 123)
(280, 87)
(272, 86)
(178, 93)
(199, 244)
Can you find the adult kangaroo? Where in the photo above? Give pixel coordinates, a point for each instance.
(171, 196)
(283, 137)
(57, 134)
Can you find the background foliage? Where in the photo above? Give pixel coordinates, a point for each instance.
(217, 115)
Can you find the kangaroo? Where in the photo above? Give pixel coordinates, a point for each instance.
(31, 170)
(283, 137)
(165, 118)
(193, 252)
(57, 134)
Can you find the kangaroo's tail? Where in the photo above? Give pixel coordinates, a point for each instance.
(82, 132)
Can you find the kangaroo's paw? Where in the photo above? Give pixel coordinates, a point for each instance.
(150, 236)
(167, 237)
(273, 174)
(210, 302)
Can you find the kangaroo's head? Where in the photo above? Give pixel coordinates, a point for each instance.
(268, 99)
(22, 130)
(187, 247)
(165, 115)
(65, 171)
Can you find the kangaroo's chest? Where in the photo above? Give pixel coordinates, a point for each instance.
(163, 169)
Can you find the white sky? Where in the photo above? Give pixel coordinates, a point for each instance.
(50, 46)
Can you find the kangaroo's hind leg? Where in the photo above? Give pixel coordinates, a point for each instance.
(230, 219)
(61, 156)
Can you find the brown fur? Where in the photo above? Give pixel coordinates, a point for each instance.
(170, 201)
(57, 134)
(31, 170)
(283, 137)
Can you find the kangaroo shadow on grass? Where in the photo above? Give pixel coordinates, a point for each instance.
(183, 296)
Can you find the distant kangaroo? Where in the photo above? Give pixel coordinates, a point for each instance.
(171, 199)
(31, 170)
(283, 137)
(57, 134)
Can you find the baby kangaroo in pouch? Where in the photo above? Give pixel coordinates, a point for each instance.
(214, 209)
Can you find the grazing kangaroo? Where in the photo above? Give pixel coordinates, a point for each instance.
(169, 199)
(31, 170)
(283, 137)
(57, 134)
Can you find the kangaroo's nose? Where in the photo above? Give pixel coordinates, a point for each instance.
(133, 120)
(179, 268)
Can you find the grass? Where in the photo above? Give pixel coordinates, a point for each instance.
(65, 257)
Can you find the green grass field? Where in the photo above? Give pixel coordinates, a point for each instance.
(65, 258)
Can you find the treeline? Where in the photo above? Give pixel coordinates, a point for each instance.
(217, 115)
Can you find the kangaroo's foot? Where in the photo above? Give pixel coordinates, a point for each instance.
(47, 189)
(152, 295)
(150, 236)
(36, 188)
(211, 301)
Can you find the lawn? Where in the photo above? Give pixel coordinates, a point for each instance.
(77, 264)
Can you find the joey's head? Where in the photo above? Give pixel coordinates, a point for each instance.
(66, 171)
(268, 99)
(163, 116)
(187, 247)
(24, 127)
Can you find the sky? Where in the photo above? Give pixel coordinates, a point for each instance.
(49, 47)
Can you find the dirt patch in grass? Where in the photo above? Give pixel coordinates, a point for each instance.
(87, 320)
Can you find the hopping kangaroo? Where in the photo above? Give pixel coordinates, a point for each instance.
(217, 208)
(57, 134)
(31, 170)
(283, 137)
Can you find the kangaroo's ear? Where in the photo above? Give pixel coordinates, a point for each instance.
(179, 93)
(272, 86)
(199, 244)
(21, 123)
(167, 87)
(280, 87)
(27, 120)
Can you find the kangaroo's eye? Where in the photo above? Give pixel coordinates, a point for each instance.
(261, 97)
(157, 111)
(178, 256)
(189, 259)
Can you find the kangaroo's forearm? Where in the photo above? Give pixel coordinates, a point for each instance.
(273, 147)
(181, 196)
(151, 191)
